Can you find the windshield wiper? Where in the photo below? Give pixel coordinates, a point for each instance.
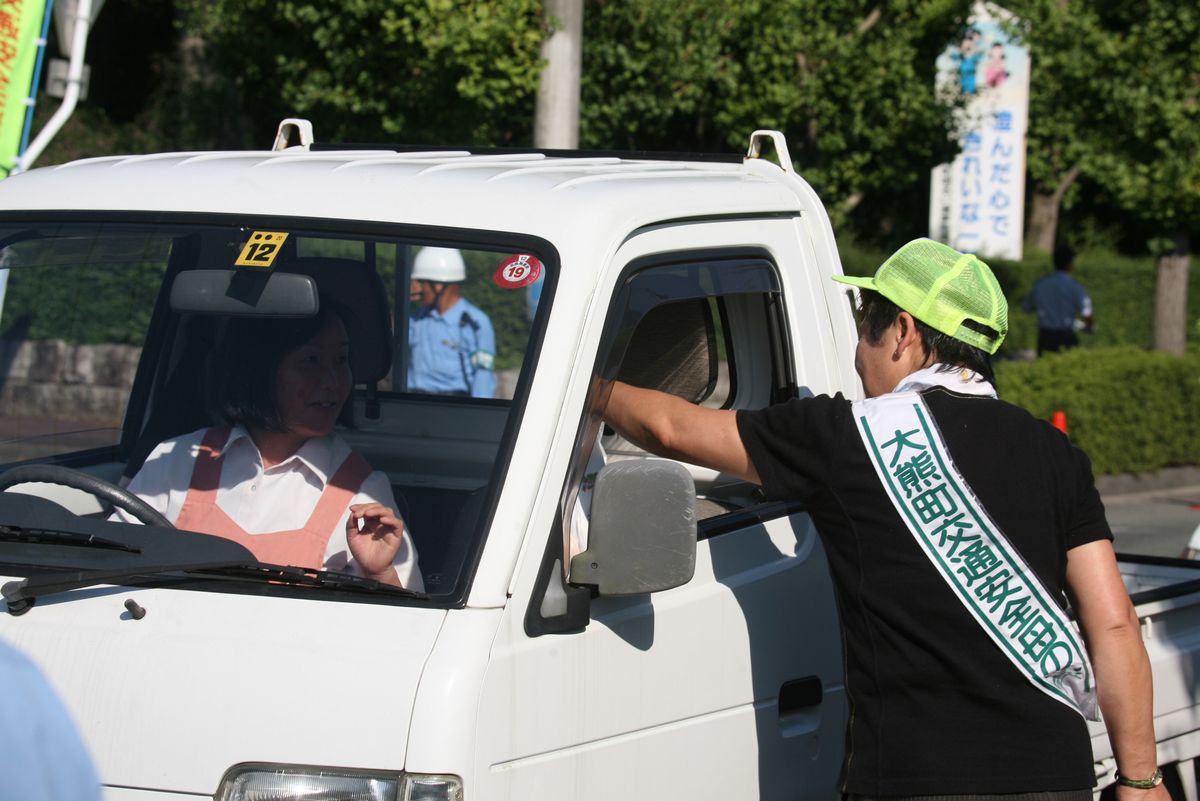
(22, 594)
(310, 577)
(47, 536)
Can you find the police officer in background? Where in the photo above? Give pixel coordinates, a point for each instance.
(452, 347)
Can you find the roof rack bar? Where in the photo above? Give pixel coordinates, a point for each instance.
(646, 155)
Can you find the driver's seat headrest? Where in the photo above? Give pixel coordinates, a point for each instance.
(673, 349)
(357, 291)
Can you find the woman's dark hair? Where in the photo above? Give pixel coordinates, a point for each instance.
(241, 369)
(878, 313)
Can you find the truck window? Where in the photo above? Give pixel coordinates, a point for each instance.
(707, 331)
(111, 330)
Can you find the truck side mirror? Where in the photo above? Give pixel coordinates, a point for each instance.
(642, 533)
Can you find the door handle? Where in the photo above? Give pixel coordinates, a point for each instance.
(800, 706)
(799, 695)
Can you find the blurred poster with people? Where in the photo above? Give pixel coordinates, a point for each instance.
(21, 25)
(977, 201)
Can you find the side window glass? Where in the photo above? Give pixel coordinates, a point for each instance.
(674, 348)
(707, 332)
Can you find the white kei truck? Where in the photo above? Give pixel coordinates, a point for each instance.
(594, 624)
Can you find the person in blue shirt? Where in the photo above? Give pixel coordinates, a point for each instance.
(43, 758)
(451, 343)
(1058, 300)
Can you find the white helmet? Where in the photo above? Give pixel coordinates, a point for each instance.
(444, 265)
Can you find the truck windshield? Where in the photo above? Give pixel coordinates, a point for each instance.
(118, 335)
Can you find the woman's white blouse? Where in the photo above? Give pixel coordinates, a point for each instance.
(277, 499)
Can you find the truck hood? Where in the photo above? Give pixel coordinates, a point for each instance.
(206, 680)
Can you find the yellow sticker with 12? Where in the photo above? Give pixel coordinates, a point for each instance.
(261, 249)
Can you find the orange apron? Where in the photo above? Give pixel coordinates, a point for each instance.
(302, 547)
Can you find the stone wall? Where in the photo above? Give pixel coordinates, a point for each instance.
(49, 378)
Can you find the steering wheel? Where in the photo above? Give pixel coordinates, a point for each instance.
(85, 482)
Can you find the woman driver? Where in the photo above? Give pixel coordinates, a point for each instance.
(276, 478)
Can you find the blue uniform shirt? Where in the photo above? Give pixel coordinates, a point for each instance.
(43, 758)
(1058, 299)
(453, 352)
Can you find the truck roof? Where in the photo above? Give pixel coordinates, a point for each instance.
(536, 193)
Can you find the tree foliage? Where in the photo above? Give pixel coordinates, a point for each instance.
(1069, 112)
(1113, 96)
(1152, 168)
(1151, 159)
(851, 84)
(438, 71)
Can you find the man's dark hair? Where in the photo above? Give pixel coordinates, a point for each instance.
(878, 313)
(241, 369)
(1064, 257)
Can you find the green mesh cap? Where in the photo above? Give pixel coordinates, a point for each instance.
(942, 288)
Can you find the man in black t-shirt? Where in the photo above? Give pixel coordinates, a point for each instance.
(956, 526)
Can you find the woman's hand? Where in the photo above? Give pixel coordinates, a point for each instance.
(374, 533)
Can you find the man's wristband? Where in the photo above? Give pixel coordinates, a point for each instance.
(1141, 784)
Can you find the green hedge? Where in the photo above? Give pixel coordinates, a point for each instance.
(1132, 410)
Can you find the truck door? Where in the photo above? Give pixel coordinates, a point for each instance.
(730, 685)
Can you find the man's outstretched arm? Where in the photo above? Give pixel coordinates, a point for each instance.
(670, 426)
(1113, 635)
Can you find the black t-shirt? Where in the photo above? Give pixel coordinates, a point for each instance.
(935, 706)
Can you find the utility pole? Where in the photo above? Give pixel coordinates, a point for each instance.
(556, 119)
(73, 19)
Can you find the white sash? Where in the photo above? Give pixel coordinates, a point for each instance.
(974, 557)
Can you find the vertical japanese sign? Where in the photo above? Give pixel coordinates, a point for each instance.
(20, 27)
(977, 202)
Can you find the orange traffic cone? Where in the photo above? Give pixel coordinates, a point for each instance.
(1059, 420)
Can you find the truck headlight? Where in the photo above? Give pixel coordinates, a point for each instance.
(266, 782)
(430, 787)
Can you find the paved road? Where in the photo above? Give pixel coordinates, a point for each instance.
(1159, 522)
